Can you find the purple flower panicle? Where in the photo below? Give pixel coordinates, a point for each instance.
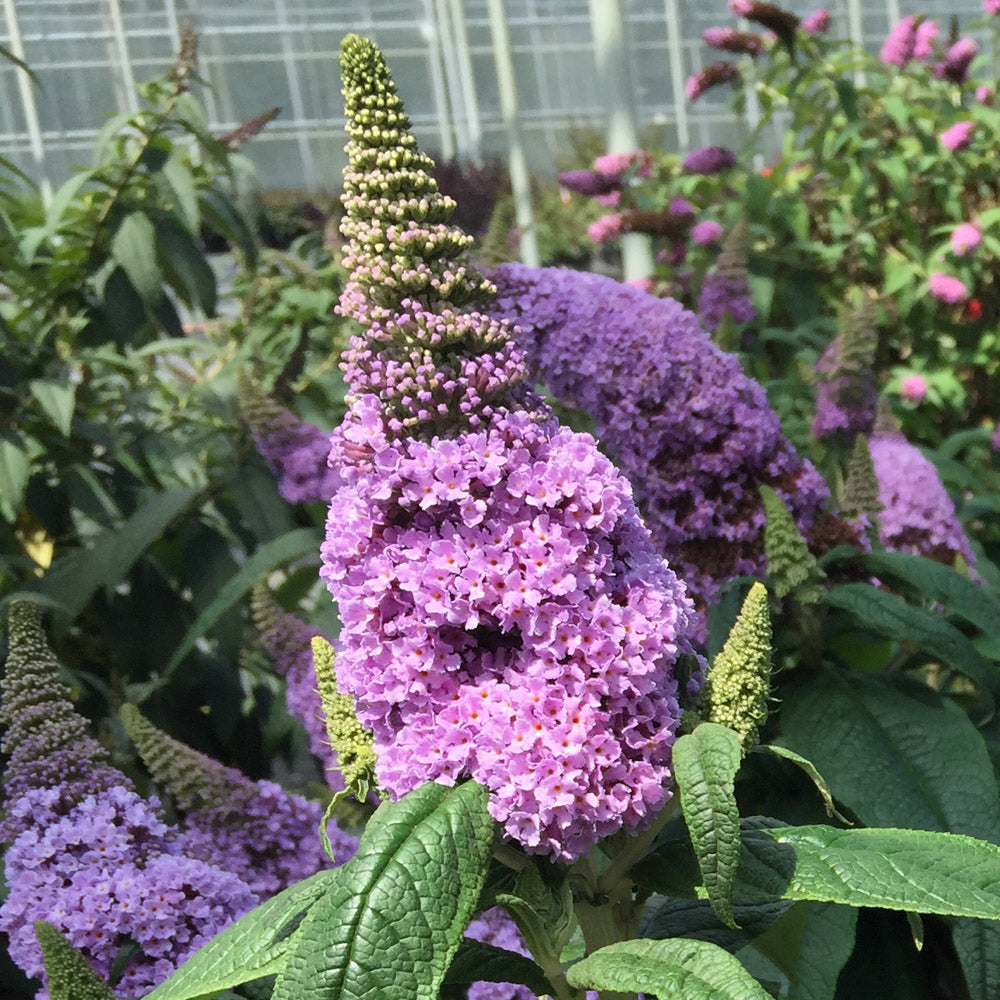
(817, 23)
(959, 136)
(947, 288)
(897, 50)
(709, 160)
(712, 75)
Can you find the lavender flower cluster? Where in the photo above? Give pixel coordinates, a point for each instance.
(918, 516)
(505, 616)
(845, 399)
(694, 434)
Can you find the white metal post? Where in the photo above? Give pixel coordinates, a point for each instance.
(130, 99)
(520, 179)
(438, 89)
(309, 175)
(470, 100)
(607, 25)
(677, 78)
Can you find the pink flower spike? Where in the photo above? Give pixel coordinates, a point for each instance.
(913, 388)
(984, 95)
(965, 239)
(947, 288)
(991, 6)
(706, 232)
(817, 23)
(897, 50)
(959, 136)
(606, 228)
(925, 35)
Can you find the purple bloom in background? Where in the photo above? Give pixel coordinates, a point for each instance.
(505, 614)
(817, 23)
(692, 432)
(965, 239)
(296, 451)
(725, 292)
(918, 515)
(708, 160)
(846, 396)
(706, 232)
(897, 50)
(913, 388)
(730, 40)
(991, 6)
(995, 440)
(86, 853)
(711, 76)
(923, 41)
(959, 136)
(947, 288)
(957, 61)
(590, 182)
(985, 95)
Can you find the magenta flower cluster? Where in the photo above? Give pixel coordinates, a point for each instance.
(694, 434)
(505, 617)
(708, 160)
(710, 76)
(918, 514)
(106, 872)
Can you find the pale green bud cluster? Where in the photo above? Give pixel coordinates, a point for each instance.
(738, 683)
(69, 976)
(353, 744)
(791, 567)
(861, 490)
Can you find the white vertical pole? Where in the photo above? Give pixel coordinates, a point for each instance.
(438, 89)
(174, 26)
(892, 11)
(24, 85)
(607, 26)
(677, 78)
(517, 165)
(470, 99)
(460, 114)
(857, 33)
(131, 98)
(295, 95)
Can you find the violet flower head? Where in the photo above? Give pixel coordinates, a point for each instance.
(267, 836)
(693, 433)
(782, 22)
(505, 615)
(709, 160)
(296, 451)
(957, 60)
(918, 516)
(96, 862)
(959, 136)
(712, 75)
(706, 232)
(590, 182)
(897, 50)
(965, 239)
(730, 40)
(817, 23)
(947, 288)
(725, 291)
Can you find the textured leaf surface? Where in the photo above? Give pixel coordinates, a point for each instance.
(977, 944)
(695, 918)
(477, 961)
(890, 616)
(678, 968)
(133, 247)
(396, 920)
(255, 945)
(895, 755)
(917, 870)
(705, 765)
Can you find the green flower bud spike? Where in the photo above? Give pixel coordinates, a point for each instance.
(738, 683)
(354, 745)
(790, 565)
(69, 975)
(861, 492)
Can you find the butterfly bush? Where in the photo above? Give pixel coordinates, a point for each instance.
(505, 614)
(694, 434)
(86, 853)
(918, 516)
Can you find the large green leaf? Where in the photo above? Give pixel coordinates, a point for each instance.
(705, 765)
(810, 944)
(15, 466)
(268, 557)
(477, 961)
(133, 247)
(255, 945)
(183, 263)
(895, 754)
(977, 944)
(392, 928)
(677, 968)
(178, 176)
(695, 918)
(57, 400)
(890, 616)
(915, 870)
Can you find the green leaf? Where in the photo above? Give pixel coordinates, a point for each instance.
(57, 400)
(977, 944)
(695, 918)
(178, 176)
(890, 616)
(705, 765)
(255, 945)
(477, 961)
(960, 595)
(810, 944)
(223, 218)
(678, 968)
(810, 769)
(894, 754)
(395, 923)
(15, 468)
(183, 263)
(268, 557)
(133, 247)
(919, 870)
